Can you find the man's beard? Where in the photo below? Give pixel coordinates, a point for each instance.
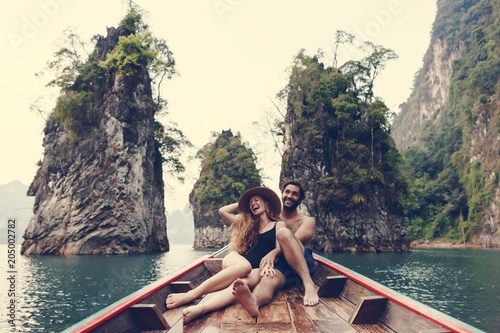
(291, 208)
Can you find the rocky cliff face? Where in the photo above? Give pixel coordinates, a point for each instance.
(372, 227)
(337, 144)
(228, 169)
(459, 81)
(426, 105)
(102, 192)
(210, 230)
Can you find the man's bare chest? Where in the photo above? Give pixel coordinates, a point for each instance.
(294, 224)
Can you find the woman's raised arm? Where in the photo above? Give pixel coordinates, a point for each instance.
(227, 213)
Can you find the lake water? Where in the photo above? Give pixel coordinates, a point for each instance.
(52, 293)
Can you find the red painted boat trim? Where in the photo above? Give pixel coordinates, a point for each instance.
(135, 298)
(421, 309)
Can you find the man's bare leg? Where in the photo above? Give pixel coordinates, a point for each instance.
(293, 251)
(261, 295)
(264, 290)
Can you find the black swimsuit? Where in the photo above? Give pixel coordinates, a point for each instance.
(266, 242)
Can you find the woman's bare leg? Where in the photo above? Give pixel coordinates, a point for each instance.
(218, 300)
(235, 266)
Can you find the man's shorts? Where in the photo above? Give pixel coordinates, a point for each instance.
(291, 276)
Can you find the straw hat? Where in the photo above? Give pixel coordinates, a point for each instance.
(270, 195)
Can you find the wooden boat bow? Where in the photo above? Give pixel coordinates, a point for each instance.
(349, 302)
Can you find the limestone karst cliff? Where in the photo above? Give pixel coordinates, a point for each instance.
(337, 145)
(99, 189)
(452, 117)
(228, 170)
(425, 107)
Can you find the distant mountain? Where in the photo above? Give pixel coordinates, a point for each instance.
(180, 226)
(14, 203)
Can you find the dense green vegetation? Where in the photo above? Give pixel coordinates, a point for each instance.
(228, 169)
(335, 115)
(138, 55)
(450, 189)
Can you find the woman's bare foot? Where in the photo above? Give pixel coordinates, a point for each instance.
(175, 300)
(245, 297)
(310, 295)
(191, 313)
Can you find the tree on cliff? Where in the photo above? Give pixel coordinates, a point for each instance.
(228, 168)
(338, 143)
(81, 82)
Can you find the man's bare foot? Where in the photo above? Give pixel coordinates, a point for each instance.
(175, 300)
(310, 295)
(192, 312)
(245, 297)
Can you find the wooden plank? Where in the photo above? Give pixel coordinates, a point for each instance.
(340, 306)
(181, 286)
(353, 292)
(173, 317)
(368, 310)
(373, 329)
(273, 317)
(275, 312)
(332, 286)
(210, 322)
(149, 317)
(158, 298)
(321, 316)
(436, 330)
(258, 327)
(196, 276)
(344, 309)
(299, 320)
(214, 265)
(321, 273)
(237, 314)
(122, 322)
(396, 317)
(214, 324)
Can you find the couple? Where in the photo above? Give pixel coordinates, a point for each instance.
(263, 236)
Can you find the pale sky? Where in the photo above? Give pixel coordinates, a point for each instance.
(232, 56)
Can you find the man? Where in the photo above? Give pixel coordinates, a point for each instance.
(283, 273)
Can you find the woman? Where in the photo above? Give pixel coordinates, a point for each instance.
(253, 235)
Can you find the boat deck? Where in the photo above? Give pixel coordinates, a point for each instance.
(349, 303)
(285, 314)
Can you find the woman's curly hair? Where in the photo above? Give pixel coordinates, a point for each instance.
(244, 233)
